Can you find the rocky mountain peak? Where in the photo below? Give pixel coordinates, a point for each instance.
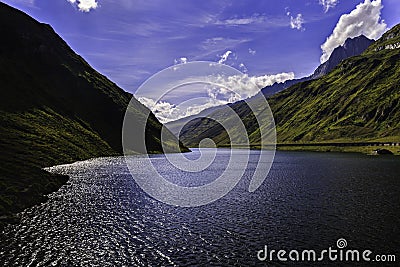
(351, 47)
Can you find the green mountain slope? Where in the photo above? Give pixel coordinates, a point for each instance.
(357, 101)
(205, 127)
(54, 108)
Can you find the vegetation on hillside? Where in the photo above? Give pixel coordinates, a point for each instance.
(55, 108)
(358, 101)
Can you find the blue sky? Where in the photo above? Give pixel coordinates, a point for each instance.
(130, 40)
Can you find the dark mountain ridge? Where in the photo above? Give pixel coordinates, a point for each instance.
(352, 47)
(54, 109)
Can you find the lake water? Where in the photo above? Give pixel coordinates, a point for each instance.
(308, 201)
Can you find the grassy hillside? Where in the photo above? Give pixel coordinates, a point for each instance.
(198, 129)
(175, 126)
(352, 47)
(54, 109)
(357, 101)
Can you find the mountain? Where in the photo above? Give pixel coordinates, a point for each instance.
(358, 100)
(352, 47)
(54, 109)
(174, 126)
(277, 87)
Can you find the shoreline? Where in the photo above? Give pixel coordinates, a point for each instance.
(30, 197)
(12, 217)
(368, 150)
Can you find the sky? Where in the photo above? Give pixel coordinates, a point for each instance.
(267, 41)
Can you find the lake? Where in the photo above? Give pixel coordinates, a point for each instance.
(308, 201)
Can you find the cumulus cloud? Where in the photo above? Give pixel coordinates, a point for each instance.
(220, 89)
(238, 87)
(225, 56)
(267, 80)
(364, 19)
(196, 109)
(327, 4)
(84, 5)
(163, 110)
(166, 112)
(296, 22)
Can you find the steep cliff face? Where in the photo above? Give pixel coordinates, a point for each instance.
(352, 47)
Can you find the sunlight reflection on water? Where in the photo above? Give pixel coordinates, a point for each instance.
(309, 200)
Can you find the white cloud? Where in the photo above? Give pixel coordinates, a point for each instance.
(85, 5)
(182, 60)
(252, 52)
(225, 56)
(245, 86)
(166, 112)
(327, 4)
(221, 90)
(364, 19)
(297, 22)
(196, 109)
(267, 80)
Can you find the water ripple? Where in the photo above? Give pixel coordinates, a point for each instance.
(309, 200)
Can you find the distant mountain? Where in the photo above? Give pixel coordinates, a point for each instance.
(277, 87)
(54, 109)
(352, 47)
(358, 100)
(174, 126)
